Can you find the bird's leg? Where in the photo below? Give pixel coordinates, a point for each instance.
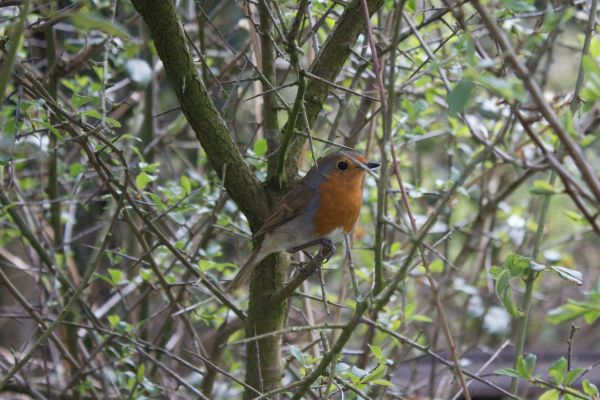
(327, 250)
(304, 246)
(325, 243)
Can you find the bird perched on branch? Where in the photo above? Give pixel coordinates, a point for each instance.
(323, 206)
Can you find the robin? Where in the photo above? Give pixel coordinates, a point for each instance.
(323, 206)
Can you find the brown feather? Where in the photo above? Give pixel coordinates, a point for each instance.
(291, 206)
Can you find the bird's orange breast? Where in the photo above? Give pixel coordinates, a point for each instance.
(340, 203)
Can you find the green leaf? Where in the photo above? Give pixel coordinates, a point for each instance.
(526, 366)
(589, 388)
(381, 382)
(574, 374)
(116, 276)
(565, 313)
(298, 355)
(186, 184)
(573, 215)
(143, 179)
(88, 22)
(552, 394)
(113, 123)
(543, 188)
(92, 113)
(568, 274)
(260, 147)
(75, 169)
(510, 305)
(378, 373)
(377, 352)
(508, 372)
(510, 89)
(140, 372)
(502, 282)
(504, 293)
(495, 271)
(518, 6)
(51, 128)
(77, 100)
(459, 96)
(516, 264)
(113, 320)
(557, 370)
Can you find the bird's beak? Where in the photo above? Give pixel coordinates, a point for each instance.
(373, 165)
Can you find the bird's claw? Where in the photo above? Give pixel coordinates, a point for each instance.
(327, 250)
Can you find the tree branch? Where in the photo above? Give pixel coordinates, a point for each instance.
(327, 65)
(169, 39)
(522, 73)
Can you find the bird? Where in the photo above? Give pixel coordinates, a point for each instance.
(318, 210)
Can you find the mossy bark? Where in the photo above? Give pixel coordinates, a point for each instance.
(263, 360)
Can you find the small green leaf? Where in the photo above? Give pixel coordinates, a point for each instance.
(378, 373)
(143, 179)
(504, 293)
(186, 184)
(75, 169)
(87, 21)
(113, 320)
(508, 372)
(77, 100)
(574, 216)
(113, 123)
(530, 361)
(92, 113)
(568, 274)
(502, 282)
(51, 128)
(516, 264)
(140, 372)
(574, 374)
(116, 276)
(589, 388)
(557, 370)
(377, 352)
(510, 305)
(298, 355)
(381, 382)
(260, 147)
(526, 366)
(543, 188)
(552, 394)
(565, 313)
(459, 96)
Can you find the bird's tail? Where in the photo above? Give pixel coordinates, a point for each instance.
(243, 275)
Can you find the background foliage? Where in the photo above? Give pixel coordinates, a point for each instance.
(143, 142)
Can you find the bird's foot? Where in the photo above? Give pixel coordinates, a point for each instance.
(327, 249)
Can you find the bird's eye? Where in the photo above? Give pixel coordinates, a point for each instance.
(342, 165)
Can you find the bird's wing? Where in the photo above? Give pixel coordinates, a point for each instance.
(293, 204)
